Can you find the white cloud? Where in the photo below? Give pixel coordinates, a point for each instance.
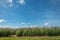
(2, 20)
(31, 26)
(46, 24)
(35, 25)
(6, 26)
(10, 1)
(21, 1)
(23, 23)
(6, 3)
(0, 26)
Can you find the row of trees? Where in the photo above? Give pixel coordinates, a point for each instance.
(7, 32)
(45, 31)
(39, 32)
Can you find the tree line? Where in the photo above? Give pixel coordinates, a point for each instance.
(45, 31)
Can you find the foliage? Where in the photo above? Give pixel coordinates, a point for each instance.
(45, 31)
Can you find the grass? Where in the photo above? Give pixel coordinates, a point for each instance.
(31, 38)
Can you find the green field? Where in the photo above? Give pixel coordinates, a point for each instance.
(31, 38)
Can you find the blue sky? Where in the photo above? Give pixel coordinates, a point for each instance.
(29, 13)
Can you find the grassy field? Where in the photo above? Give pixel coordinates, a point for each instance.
(31, 38)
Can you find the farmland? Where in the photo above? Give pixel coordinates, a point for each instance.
(31, 38)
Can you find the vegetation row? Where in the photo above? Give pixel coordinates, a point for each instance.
(45, 31)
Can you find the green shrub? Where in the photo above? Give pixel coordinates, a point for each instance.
(25, 33)
(4, 33)
(19, 32)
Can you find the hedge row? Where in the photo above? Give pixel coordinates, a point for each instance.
(53, 31)
(6, 32)
(39, 32)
